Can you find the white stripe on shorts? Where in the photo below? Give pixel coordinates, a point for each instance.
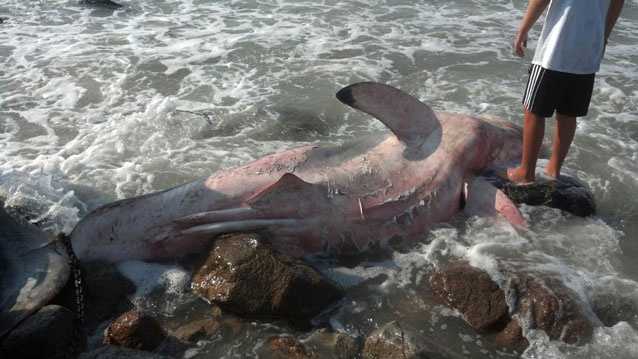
(530, 84)
(538, 86)
(533, 86)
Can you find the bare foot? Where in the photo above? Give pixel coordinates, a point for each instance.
(519, 176)
(551, 173)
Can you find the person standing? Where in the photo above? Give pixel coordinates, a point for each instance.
(561, 77)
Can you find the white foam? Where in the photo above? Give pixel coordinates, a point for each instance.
(88, 112)
(149, 276)
(617, 342)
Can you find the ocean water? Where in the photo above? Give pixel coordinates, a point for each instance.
(98, 105)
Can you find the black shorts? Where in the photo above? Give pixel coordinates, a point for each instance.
(548, 91)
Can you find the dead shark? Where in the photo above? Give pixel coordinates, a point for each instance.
(315, 198)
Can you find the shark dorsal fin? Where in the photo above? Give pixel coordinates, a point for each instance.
(408, 118)
(287, 192)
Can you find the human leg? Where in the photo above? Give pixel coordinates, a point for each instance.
(564, 131)
(533, 132)
(539, 102)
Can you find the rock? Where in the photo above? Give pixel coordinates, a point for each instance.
(347, 347)
(106, 293)
(285, 347)
(405, 341)
(565, 193)
(473, 293)
(244, 276)
(198, 330)
(612, 308)
(512, 336)
(232, 326)
(173, 347)
(115, 352)
(49, 333)
(554, 308)
(207, 325)
(3, 19)
(544, 304)
(328, 344)
(134, 330)
(389, 342)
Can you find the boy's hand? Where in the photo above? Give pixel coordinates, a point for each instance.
(520, 43)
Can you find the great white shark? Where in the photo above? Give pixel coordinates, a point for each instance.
(315, 198)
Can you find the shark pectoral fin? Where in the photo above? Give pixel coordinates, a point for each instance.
(408, 118)
(483, 199)
(508, 209)
(222, 215)
(289, 195)
(240, 226)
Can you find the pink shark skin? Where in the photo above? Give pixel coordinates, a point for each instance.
(315, 198)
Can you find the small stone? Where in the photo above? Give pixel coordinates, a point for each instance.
(389, 342)
(334, 344)
(134, 330)
(285, 347)
(231, 326)
(198, 330)
(512, 336)
(347, 347)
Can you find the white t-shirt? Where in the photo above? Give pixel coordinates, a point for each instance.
(573, 36)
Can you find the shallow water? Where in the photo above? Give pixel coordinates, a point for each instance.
(97, 105)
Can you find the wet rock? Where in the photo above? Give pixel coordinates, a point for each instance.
(327, 344)
(205, 325)
(115, 352)
(49, 333)
(232, 326)
(405, 341)
(198, 330)
(174, 348)
(548, 305)
(244, 276)
(512, 336)
(106, 293)
(389, 342)
(3, 19)
(285, 347)
(347, 347)
(544, 304)
(472, 292)
(134, 330)
(565, 193)
(612, 308)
